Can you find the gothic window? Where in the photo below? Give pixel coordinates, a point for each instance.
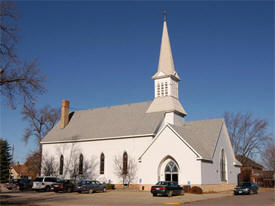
(80, 164)
(102, 159)
(171, 172)
(61, 164)
(222, 166)
(125, 163)
(166, 89)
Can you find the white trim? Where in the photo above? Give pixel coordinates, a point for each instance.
(168, 125)
(97, 139)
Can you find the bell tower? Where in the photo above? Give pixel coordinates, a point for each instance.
(166, 79)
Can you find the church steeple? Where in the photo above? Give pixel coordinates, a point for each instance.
(166, 63)
(166, 80)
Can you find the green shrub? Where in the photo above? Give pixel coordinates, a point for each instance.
(196, 190)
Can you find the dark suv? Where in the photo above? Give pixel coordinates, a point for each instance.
(21, 184)
(63, 186)
(246, 188)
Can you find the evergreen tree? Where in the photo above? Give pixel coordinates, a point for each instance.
(5, 160)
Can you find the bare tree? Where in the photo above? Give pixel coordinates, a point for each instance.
(268, 156)
(128, 176)
(248, 135)
(21, 81)
(41, 121)
(32, 164)
(49, 166)
(72, 164)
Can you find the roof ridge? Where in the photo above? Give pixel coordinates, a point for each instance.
(204, 120)
(112, 106)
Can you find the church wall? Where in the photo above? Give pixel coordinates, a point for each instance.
(169, 144)
(211, 171)
(92, 150)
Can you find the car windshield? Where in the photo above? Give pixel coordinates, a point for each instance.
(38, 179)
(15, 181)
(60, 181)
(246, 185)
(162, 183)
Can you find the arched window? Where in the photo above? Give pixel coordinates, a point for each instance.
(61, 164)
(222, 166)
(80, 164)
(125, 163)
(171, 172)
(102, 159)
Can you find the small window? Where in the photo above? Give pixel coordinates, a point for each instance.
(125, 163)
(223, 166)
(158, 90)
(80, 164)
(162, 89)
(61, 164)
(166, 89)
(102, 159)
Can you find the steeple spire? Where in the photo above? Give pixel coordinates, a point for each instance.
(166, 82)
(166, 63)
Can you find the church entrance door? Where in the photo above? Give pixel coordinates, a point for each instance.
(171, 172)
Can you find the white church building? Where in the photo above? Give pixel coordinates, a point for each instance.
(153, 136)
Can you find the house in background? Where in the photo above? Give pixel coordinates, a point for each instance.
(153, 135)
(252, 171)
(268, 178)
(18, 171)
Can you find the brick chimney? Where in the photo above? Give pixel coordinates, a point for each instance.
(64, 113)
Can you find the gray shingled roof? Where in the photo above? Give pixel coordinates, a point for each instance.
(114, 121)
(201, 135)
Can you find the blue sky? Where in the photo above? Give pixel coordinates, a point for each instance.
(104, 53)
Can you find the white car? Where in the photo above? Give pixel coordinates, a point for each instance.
(43, 183)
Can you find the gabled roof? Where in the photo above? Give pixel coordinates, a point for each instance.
(107, 122)
(247, 162)
(201, 135)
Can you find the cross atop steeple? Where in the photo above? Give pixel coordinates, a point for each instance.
(164, 15)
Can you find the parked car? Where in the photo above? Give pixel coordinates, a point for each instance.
(25, 184)
(90, 186)
(246, 188)
(166, 188)
(63, 186)
(43, 183)
(21, 184)
(12, 184)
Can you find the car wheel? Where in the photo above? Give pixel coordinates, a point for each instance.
(47, 189)
(170, 193)
(69, 189)
(104, 189)
(154, 194)
(91, 191)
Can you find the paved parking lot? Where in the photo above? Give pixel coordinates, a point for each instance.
(115, 197)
